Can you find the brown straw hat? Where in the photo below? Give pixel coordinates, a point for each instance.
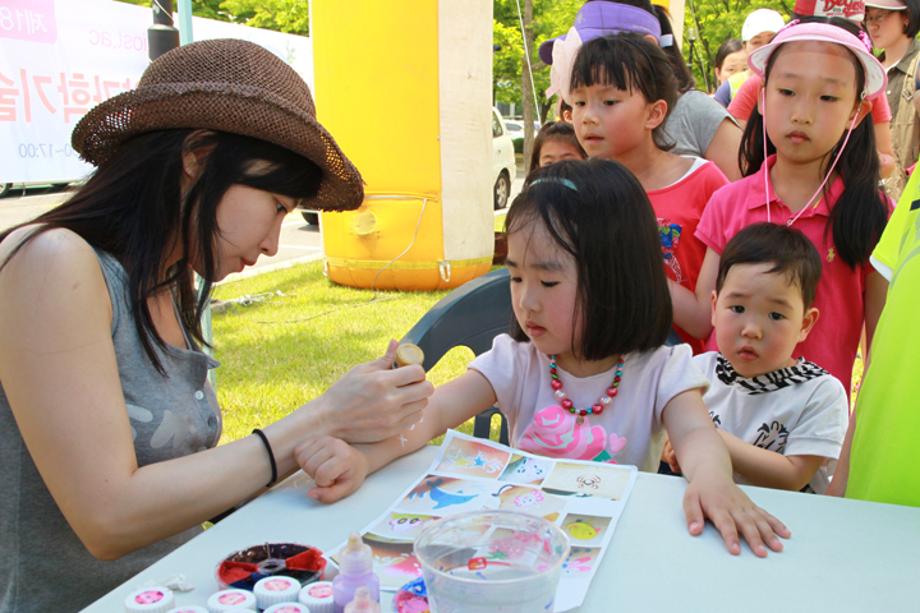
(232, 86)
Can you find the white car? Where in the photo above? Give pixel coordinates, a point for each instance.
(504, 167)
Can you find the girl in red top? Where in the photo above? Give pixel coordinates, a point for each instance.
(621, 92)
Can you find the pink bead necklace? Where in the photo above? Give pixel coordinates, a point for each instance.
(598, 407)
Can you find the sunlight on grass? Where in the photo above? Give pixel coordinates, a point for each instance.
(305, 332)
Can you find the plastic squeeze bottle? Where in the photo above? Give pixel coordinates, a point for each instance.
(356, 569)
(362, 602)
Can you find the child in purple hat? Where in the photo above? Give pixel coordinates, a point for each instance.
(697, 125)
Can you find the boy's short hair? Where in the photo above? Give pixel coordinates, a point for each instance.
(790, 252)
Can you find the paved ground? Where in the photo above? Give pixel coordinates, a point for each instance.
(299, 242)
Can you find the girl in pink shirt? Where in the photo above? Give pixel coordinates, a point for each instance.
(621, 93)
(822, 178)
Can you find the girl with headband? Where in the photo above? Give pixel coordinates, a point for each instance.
(698, 125)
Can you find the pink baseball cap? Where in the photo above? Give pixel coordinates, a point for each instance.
(876, 77)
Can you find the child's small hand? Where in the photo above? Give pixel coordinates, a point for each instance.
(731, 511)
(337, 468)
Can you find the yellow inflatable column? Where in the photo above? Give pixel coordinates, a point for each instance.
(405, 88)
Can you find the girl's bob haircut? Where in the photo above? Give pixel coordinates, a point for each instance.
(596, 211)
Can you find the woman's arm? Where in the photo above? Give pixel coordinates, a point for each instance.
(723, 149)
(693, 310)
(711, 493)
(59, 372)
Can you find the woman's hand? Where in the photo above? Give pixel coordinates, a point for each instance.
(374, 401)
(337, 468)
(731, 511)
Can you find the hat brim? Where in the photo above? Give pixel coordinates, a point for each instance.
(876, 77)
(253, 112)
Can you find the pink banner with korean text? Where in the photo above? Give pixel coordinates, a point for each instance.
(59, 58)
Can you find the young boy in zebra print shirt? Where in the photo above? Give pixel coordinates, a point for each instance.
(783, 418)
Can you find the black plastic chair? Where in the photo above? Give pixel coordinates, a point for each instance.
(470, 316)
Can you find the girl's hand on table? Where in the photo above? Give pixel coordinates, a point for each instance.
(337, 468)
(374, 401)
(731, 511)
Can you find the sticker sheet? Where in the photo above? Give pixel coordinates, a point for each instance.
(585, 499)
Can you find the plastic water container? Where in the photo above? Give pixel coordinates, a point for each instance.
(491, 561)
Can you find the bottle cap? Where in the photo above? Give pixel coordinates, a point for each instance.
(189, 609)
(228, 600)
(407, 353)
(318, 596)
(275, 590)
(357, 557)
(288, 607)
(362, 602)
(155, 599)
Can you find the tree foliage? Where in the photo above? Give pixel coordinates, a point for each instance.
(709, 23)
(292, 16)
(550, 18)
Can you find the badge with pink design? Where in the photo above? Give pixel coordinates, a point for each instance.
(564, 471)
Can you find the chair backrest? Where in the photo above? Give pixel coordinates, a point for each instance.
(470, 316)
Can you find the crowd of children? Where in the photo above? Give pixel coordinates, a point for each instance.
(767, 279)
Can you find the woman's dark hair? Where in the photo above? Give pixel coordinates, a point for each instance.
(554, 130)
(787, 249)
(679, 66)
(132, 207)
(628, 61)
(860, 214)
(596, 211)
(732, 45)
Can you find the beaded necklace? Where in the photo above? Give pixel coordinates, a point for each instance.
(598, 407)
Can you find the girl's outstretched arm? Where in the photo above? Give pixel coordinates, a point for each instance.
(339, 470)
(693, 310)
(711, 493)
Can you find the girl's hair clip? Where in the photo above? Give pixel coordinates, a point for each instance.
(667, 40)
(557, 180)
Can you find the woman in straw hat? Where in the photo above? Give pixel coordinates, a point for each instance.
(107, 424)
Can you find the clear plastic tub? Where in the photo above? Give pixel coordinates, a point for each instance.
(491, 561)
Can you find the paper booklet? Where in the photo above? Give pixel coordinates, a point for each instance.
(586, 499)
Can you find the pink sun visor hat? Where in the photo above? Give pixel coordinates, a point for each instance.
(876, 78)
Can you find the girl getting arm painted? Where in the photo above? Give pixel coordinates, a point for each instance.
(585, 373)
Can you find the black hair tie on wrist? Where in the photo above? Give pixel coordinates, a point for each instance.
(271, 455)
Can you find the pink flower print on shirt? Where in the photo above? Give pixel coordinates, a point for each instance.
(556, 433)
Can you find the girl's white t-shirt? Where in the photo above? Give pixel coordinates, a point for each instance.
(629, 431)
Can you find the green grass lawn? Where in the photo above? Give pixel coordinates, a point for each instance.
(300, 335)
